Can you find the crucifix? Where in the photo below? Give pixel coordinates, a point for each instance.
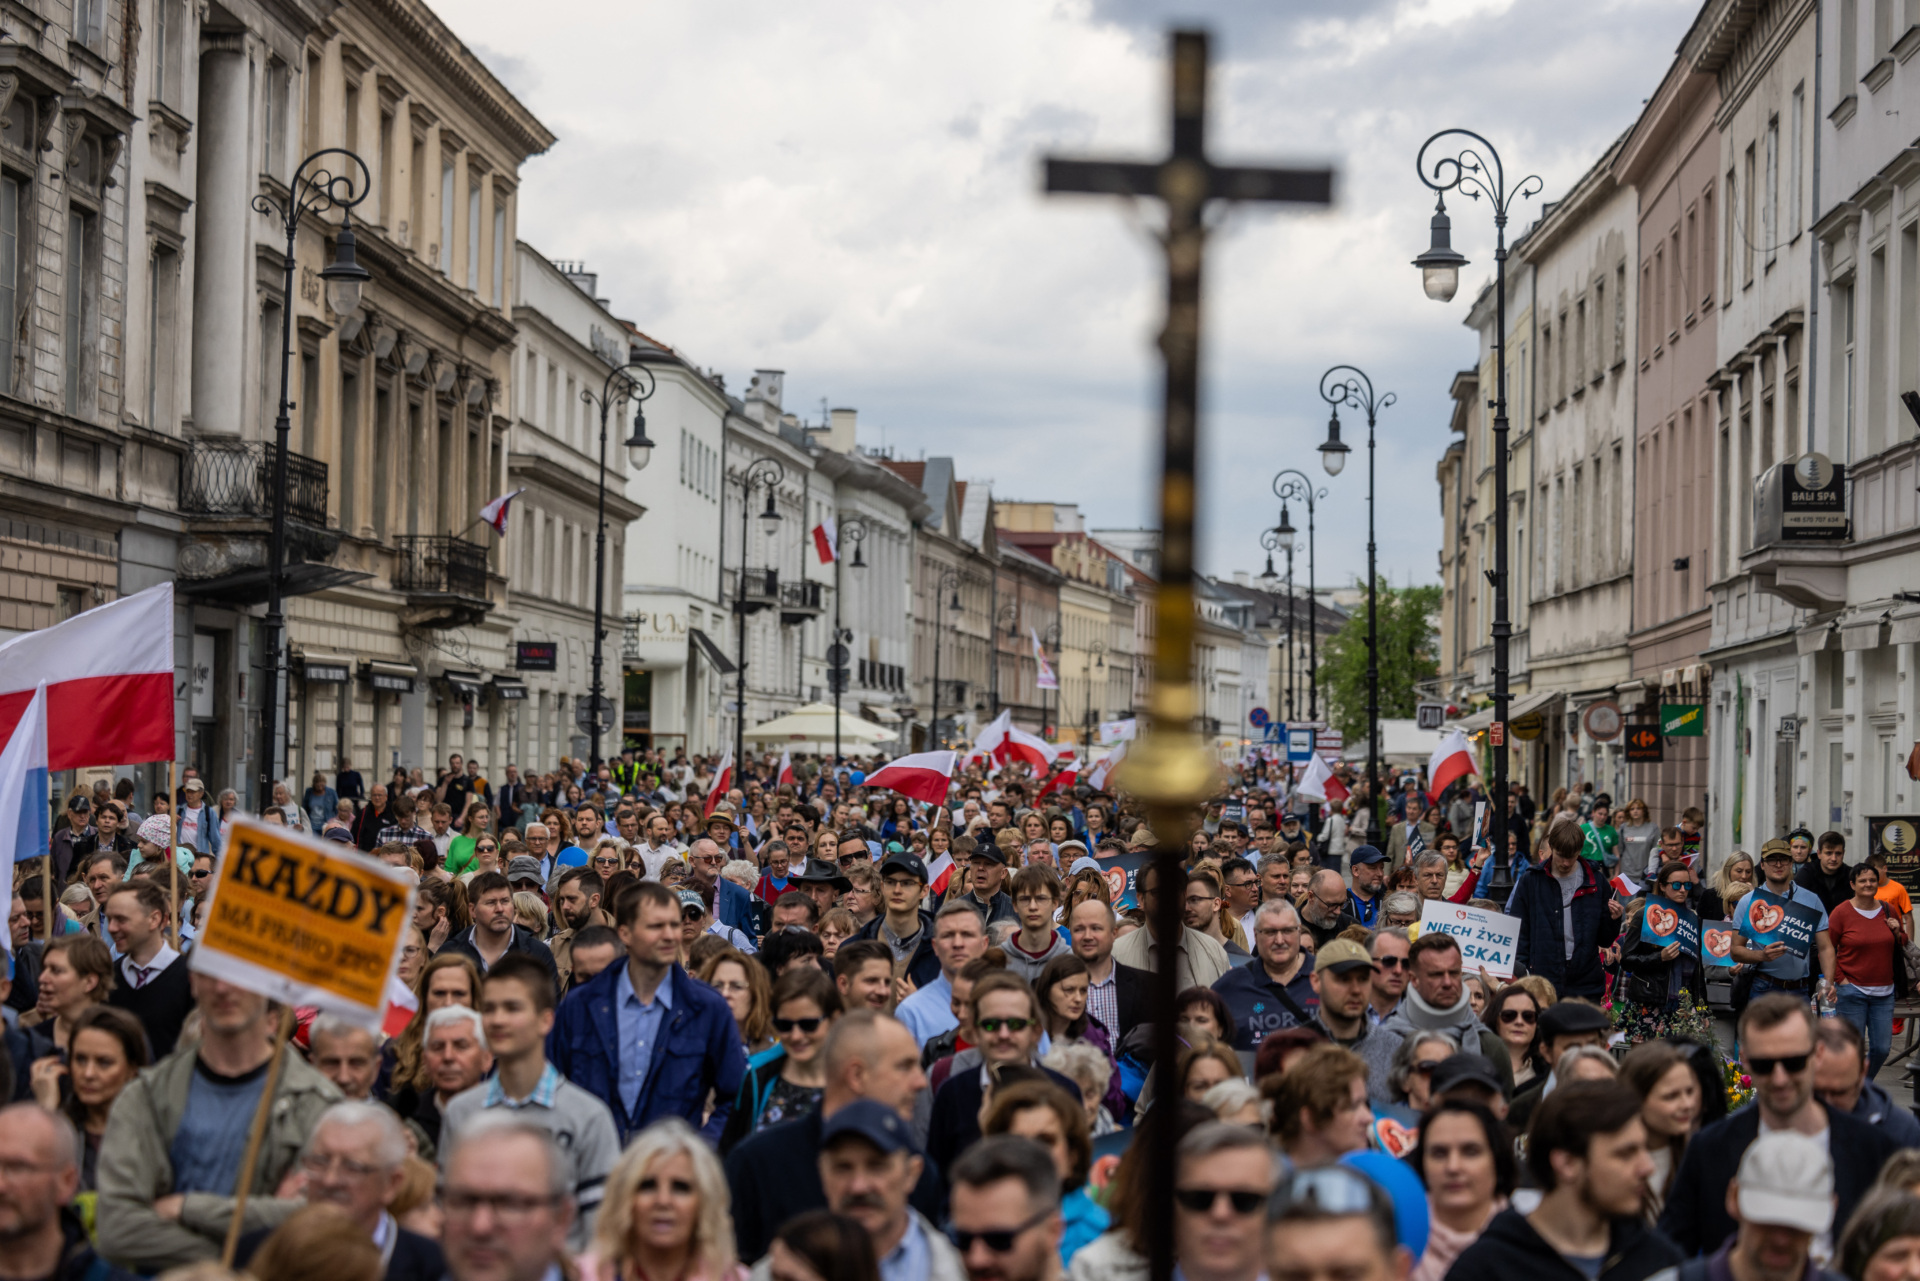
(1170, 769)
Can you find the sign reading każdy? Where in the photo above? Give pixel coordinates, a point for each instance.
(305, 922)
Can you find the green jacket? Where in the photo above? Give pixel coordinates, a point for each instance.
(135, 1171)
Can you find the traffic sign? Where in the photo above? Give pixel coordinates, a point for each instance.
(1496, 735)
(1299, 743)
(1645, 745)
(837, 654)
(836, 680)
(1259, 718)
(1527, 728)
(1602, 721)
(1430, 715)
(583, 714)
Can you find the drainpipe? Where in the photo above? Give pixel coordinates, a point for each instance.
(1811, 375)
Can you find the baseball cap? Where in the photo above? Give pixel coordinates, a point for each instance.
(690, 899)
(873, 1121)
(1786, 1180)
(193, 785)
(911, 864)
(987, 852)
(1366, 854)
(1342, 956)
(1776, 846)
(1465, 1069)
(1071, 850)
(523, 867)
(339, 834)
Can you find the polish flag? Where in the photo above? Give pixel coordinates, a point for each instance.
(1452, 760)
(991, 735)
(940, 871)
(495, 512)
(402, 1005)
(23, 789)
(786, 768)
(1319, 784)
(1045, 679)
(1018, 745)
(722, 781)
(1097, 780)
(1066, 778)
(923, 776)
(826, 541)
(1625, 885)
(109, 679)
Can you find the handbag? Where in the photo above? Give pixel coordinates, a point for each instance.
(1742, 987)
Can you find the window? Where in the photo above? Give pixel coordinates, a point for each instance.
(1796, 143)
(473, 237)
(273, 122)
(310, 132)
(79, 304)
(350, 448)
(529, 390)
(1706, 247)
(1646, 310)
(163, 314)
(387, 170)
(1600, 344)
(498, 296)
(1771, 229)
(1747, 215)
(1909, 336)
(1620, 313)
(1849, 50)
(446, 217)
(353, 118)
(1876, 377)
(10, 200)
(270, 338)
(1577, 350)
(166, 45)
(1733, 203)
(1843, 376)
(383, 425)
(89, 22)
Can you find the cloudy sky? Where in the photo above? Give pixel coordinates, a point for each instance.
(848, 190)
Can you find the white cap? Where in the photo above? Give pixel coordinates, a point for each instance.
(1786, 1180)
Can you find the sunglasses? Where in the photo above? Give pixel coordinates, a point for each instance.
(1011, 1025)
(1202, 1200)
(809, 1026)
(998, 1240)
(1425, 1067)
(1518, 1016)
(1793, 1063)
(1333, 1189)
(1394, 962)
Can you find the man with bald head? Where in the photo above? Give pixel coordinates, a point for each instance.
(775, 1174)
(41, 1235)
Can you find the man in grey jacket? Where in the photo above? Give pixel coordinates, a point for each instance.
(170, 1159)
(1436, 1001)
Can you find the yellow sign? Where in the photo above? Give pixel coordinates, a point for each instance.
(1529, 727)
(306, 922)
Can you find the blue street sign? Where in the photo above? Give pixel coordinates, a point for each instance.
(1299, 743)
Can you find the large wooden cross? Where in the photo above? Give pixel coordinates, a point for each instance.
(1170, 769)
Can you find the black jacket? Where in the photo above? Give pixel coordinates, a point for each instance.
(1695, 1215)
(1832, 890)
(1510, 1248)
(955, 1125)
(1543, 950)
(78, 1260)
(923, 967)
(1133, 993)
(523, 940)
(775, 1175)
(415, 1258)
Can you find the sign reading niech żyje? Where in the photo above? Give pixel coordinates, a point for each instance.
(1813, 504)
(1665, 923)
(1898, 837)
(1716, 943)
(305, 922)
(1487, 939)
(1773, 918)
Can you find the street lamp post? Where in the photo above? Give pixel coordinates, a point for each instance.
(1009, 614)
(1475, 175)
(314, 189)
(852, 529)
(1291, 483)
(949, 582)
(1096, 661)
(1050, 638)
(631, 382)
(770, 473)
(1346, 385)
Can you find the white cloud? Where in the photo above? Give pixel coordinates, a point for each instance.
(850, 191)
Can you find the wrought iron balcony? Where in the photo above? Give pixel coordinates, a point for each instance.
(759, 588)
(799, 602)
(444, 579)
(234, 479)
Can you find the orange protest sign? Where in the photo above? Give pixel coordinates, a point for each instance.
(305, 922)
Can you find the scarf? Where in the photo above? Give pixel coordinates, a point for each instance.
(1431, 1018)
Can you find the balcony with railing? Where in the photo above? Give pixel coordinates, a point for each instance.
(444, 579)
(799, 602)
(226, 493)
(757, 590)
(234, 479)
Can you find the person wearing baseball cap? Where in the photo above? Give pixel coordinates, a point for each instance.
(987, 877)
(1783, 1202)
(1367, 872)
(904, 925)
(523, 871)
(1343, 982)
(869, 1164)
(1779, 969)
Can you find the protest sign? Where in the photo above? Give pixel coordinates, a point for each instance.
(1772, 918)
(1666, 923)
(1716, 943)
(1487, 939)
(305, 922)
(1122, 871)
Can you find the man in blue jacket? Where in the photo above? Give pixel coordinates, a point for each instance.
(647, 1037)
(1567, 914)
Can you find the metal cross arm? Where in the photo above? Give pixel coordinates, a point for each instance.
(1224, 182)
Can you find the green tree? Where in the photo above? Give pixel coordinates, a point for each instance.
(1408, 656)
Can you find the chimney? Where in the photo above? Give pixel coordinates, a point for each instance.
(1240, 578)
(587, 282)
(840, 430)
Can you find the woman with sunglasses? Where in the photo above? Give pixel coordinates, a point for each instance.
(1661, 993)
(1465, 1160)
(787, 1081)
(1515, 1015)
(665, 1213)
(606, 860)
(1410, 1077)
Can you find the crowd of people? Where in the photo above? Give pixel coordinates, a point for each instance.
(814, 1031)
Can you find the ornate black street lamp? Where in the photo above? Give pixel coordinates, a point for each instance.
(632, 382)
(1096, 662)
(850, 529)
(1475, 175)
(949, 582)
(314, 189)
(1292, 484)
(769, 473)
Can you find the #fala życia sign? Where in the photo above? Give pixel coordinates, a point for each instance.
(1666, 923)
(1716, 943)
(1771, 918)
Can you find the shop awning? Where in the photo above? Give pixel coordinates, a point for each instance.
(1516, 708)
(466, 684)
(710, 651)
(326, 669)
(393, 678)
(880, 715)
(509, 688)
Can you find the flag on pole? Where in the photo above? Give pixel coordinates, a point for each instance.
(1319, 784)
(1045, 679)
(1060, 782)
(108, 674)
(495, 512)
(991, 735)
(24, 833)
(940, 871)
(923, 776)
(402, 1005)
(1097, 780)
(786, 768)
(1018, 745)
(826, 541)
(1452, 760)
(722, 781)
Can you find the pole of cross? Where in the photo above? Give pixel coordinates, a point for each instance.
(1169, 768)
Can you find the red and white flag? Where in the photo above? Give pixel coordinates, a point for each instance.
(1018, 745)
(1066, 778)
(109, 679)
(987, 742)
(940, 871)
(1319, 784)
(1044, 679)
(924, 776)
(402, 1005)
(786, 768)
(1097, 780)
(826, 541)
(1452, 760)
(495, 512)
(722, 782)
(1625, 885)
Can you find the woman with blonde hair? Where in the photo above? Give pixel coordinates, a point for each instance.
(1733, 882)
(666, 1212)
